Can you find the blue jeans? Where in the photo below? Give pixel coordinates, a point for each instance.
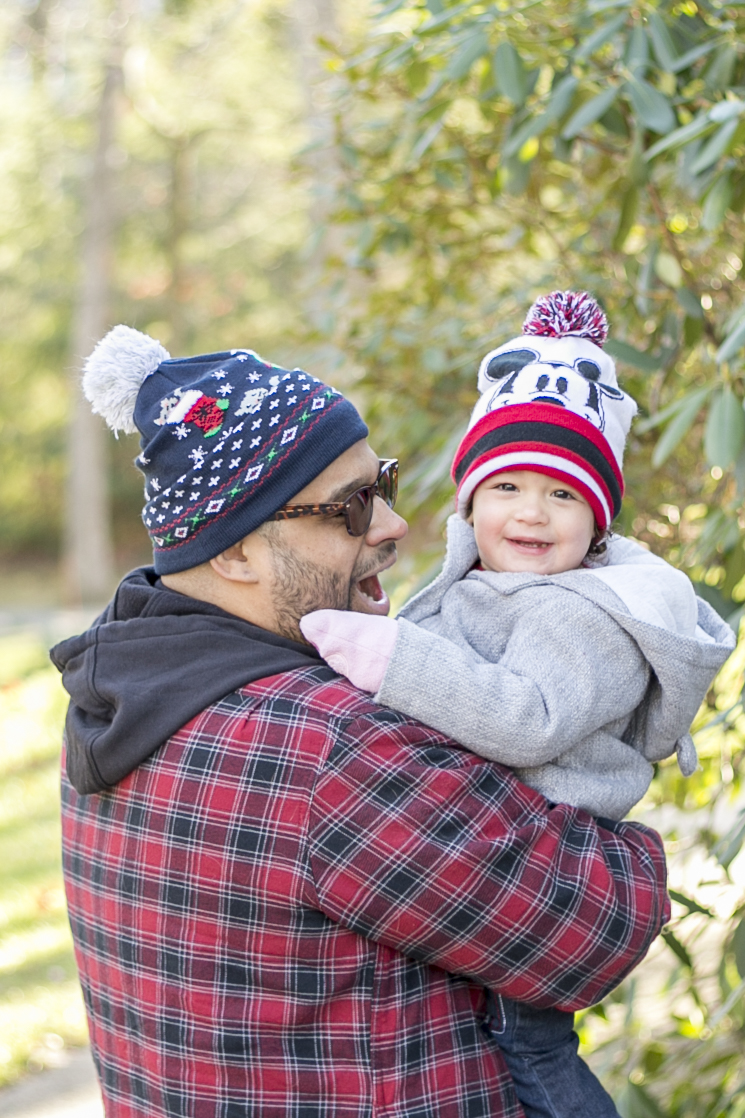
(540, 1048)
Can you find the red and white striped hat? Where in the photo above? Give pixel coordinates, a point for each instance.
(550, 402)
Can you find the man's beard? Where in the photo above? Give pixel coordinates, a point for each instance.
(299, 586)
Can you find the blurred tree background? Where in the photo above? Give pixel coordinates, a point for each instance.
(493, 151)
(378, 191)
(154, 174)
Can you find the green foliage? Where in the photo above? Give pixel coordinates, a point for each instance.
(670, 1040)
(562, 145)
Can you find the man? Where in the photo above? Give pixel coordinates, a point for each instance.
(286, 900)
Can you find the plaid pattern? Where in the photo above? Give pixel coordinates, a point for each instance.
(292, 909)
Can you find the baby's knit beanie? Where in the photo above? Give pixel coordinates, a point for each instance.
(550, 402)
(226, 438)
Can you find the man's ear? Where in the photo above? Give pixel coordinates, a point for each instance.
(234, 564)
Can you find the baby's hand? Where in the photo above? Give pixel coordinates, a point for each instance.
(357, 645)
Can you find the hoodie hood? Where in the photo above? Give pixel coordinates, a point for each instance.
(150, 663)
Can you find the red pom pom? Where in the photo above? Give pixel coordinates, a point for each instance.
(567, 313)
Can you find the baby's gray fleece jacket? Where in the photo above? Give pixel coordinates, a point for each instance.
(553, 675)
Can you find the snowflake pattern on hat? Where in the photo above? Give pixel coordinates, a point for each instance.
(200, 416)
(226, 438)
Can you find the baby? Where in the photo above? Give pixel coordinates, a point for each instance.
(546, 643)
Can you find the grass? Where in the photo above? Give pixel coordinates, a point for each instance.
(41, 1007)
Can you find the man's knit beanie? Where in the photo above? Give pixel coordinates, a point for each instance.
(550, 403)
(226, 438)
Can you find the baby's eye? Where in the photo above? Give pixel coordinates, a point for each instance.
(563, 494)
(506, 487)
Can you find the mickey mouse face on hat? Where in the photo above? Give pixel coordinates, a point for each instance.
(568, 372)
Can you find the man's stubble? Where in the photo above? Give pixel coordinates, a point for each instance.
(300, 586)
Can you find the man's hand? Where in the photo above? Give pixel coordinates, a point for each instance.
(357, 645)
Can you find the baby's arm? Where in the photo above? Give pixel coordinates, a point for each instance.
(567, 670)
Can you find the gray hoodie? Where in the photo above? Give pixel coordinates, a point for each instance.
(578, 681)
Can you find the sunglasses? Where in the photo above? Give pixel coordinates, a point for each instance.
(357, 510)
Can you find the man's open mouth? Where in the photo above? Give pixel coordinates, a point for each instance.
(371, 597)
(370, 588)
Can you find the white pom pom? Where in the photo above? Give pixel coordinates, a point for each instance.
(115, 372)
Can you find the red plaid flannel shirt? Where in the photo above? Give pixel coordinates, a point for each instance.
(292, 909)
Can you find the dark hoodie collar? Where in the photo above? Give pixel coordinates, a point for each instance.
(152, 661)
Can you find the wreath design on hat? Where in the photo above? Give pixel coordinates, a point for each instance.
(208, 414)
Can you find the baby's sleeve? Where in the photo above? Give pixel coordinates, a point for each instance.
(566, 670)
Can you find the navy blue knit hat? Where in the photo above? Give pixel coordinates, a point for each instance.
(226, 438)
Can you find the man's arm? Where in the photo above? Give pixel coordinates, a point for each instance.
(450, 860)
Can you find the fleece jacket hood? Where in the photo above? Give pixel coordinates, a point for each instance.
(150, 663)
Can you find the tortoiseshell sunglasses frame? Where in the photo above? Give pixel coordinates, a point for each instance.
(388, 466)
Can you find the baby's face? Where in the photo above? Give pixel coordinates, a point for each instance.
(526, 521)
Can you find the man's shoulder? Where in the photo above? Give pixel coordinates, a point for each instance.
(299, 722)
(318, 695)
(317, 689)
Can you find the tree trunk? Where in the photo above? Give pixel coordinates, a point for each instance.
(178, 225)
(88, 565)
(313, 19)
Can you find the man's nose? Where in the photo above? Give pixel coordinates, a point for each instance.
(385, 525)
